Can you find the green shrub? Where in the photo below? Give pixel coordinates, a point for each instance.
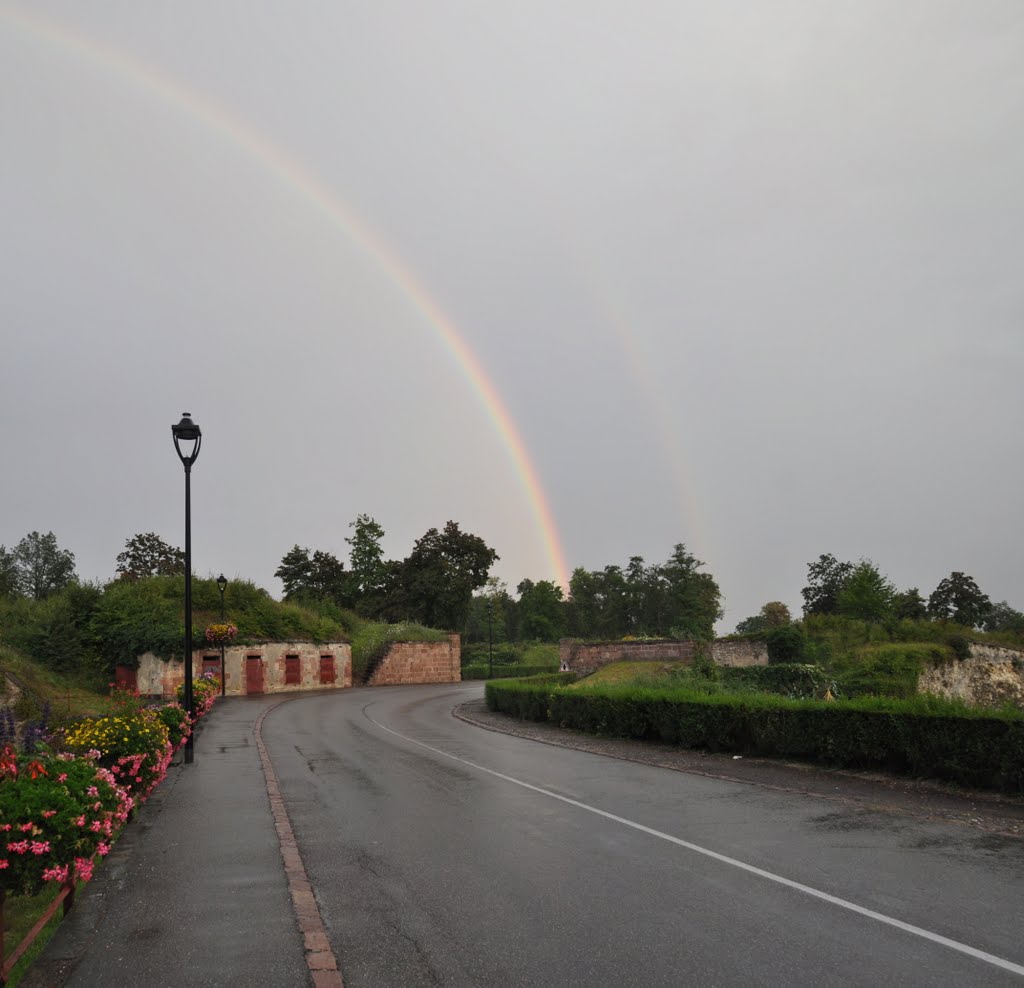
(478, 671)
(786, 644)
(922, 736)
(797, 681)
(891, 669)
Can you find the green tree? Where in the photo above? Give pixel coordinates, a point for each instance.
(502, 609)
(1003, 617)
(958, 598)
(752, 625)
(8, 574)
(148, 555)
(541, 611)
(366, 556)
(436, 581)
(693, 601)
(42, 567)
(786, 644)
(320, 576)
(909, 606)
(774, 614)
(866, 594)
(825, 580)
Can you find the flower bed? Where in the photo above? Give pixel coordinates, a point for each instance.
(205, 690)
(57, 812)
(63, 803)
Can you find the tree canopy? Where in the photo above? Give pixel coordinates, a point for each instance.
(435, 583)
(959, 598)
(826, 578)
(320, 576)
(671, 599)
(36, 568)
(148, 555)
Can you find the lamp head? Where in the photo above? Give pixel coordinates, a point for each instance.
(187, 431)
(222, 583)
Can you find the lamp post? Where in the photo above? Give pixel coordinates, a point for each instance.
(187, 431)
(490, 647)
(222, 585)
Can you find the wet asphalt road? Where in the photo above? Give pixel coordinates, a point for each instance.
(443, 854)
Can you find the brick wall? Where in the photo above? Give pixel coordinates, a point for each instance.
(420, 662)
(584, 659)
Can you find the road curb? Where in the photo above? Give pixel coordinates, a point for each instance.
(320, 958)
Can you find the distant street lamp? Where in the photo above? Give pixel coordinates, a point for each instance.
(187, 431)
(490, 646)
(222, 585)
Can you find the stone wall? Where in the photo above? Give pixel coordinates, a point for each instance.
(585, 658)
(989, 677)
(420, 662)
(161, 677)
(739, 652)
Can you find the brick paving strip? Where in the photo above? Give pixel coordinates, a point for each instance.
(323, 965)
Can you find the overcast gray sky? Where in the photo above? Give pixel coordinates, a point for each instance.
(744, 275)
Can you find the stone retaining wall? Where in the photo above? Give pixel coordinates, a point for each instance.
(420, 662)
(585, 658)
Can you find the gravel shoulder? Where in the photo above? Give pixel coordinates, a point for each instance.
(992, 813)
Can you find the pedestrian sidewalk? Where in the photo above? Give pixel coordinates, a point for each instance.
(194, 892)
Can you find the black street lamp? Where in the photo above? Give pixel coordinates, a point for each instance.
(490, 647)
(187, 431)
(222, 585)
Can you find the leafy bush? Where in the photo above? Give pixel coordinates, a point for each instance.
(888, 669)
(786, 644)
(175, 718)
(57, 812)
(477, 671)
(797, 681)
(505, 653)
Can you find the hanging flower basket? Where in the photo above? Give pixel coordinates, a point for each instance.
(221, 634)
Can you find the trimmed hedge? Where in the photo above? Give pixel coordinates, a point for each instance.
(924, 736)
(477, 671)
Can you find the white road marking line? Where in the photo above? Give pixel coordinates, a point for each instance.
(917, 931)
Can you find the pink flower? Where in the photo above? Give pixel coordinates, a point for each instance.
(102, 849)
(19, 848)
(26, 827)
(40, 846)
(4, 863)
(81, 820)
(6, 827)
(58, 873)
(83, 869)
(63, 777)
(96, 826)
(48, 813)
(92, 791)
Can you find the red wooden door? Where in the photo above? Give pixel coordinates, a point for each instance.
(326, 668)
(253, 674)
